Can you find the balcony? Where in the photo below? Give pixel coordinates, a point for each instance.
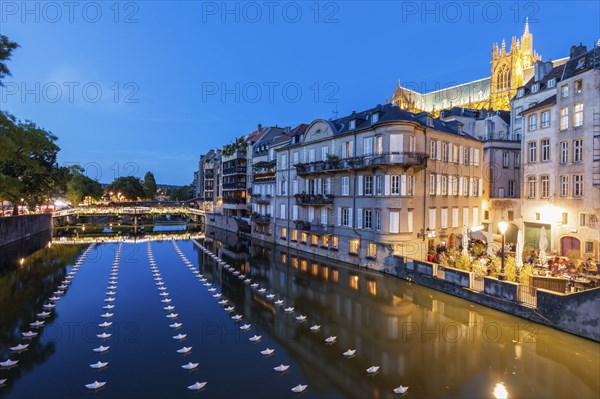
(235, 170)
(260, 219)
(264, 176)
(317, 229)
(262, 200)
(405, 159)
(313, 199)
(239, 185)
(500, 136)
(234, 200)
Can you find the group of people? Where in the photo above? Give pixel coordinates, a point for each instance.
(559, 267)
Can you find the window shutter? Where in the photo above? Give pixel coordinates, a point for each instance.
(394, 222)
(403, 185)
(360, 185)
(450, 153)
(344, 153)
(324, 216)
(295, 212)
(349, 217)
(438, 184)
(386, 185)
(480, 186)
(470, 185)
(319, 186)
(359, 218)
(461, 154)
(339, 216)
(351, 150)
(438, 150)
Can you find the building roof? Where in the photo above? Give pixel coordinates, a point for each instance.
(555, 73)
(392, 113)
(578, 64)
(261, 146)
(547, 102)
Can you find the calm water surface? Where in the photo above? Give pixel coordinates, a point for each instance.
(438, 345)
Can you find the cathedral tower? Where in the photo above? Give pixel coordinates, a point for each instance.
(508, 68)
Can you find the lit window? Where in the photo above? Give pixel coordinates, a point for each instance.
(577, 115)
(372, 250)
(372, 286)
(334, 242)
(325, 241)
(303, 265)
(354, 246)
(314, 240)
(564, 118)
(283, 233)
(334, 275)
(578, 86)
(354, 281)
(304, 238)
(294, 235)
(314, 270)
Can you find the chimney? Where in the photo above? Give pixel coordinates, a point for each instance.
(576, 51)
(541, 69)
(259, 127)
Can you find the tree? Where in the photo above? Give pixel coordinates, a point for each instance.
(29, 173)
(129, 187)
(149, 185)
(6, 49)
(183, 193)
(81, 187)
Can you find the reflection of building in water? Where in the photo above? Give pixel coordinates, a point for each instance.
(414, 334)
(510, 70)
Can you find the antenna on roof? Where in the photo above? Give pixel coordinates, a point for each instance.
(335, 112)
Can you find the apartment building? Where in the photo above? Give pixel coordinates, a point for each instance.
(562, 163)
(378, 183)
(263, 180)
(501, 162)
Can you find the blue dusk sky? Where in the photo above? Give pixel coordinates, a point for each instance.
(134, 86)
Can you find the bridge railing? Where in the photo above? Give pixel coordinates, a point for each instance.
(139, 210)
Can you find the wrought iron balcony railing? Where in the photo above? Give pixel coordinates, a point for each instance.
(406, 159)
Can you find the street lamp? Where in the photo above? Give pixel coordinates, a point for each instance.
(502, 226)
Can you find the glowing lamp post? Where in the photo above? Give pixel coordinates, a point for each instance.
(502, 226)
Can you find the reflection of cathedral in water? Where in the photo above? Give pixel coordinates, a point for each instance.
(415, 334)
(510, 70)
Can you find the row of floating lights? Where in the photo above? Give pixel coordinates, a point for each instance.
(108, 307)
(46, 312)
(279, 302)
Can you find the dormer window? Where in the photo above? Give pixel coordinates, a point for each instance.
(375, 117)
(429, 121)
(352, 124)
(552, 83)
(535, 88)
(520, 92)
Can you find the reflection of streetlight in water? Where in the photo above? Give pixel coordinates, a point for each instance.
(21, 261)
(500, 391)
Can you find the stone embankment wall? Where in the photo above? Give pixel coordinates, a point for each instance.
(15, 228)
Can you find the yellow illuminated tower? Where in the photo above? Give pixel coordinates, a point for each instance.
(508, 68)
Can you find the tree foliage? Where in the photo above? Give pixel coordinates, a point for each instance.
(6, 49)
(150, 185)
(130, 187)
(81, 187)
(29, 172)
(183, 193)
